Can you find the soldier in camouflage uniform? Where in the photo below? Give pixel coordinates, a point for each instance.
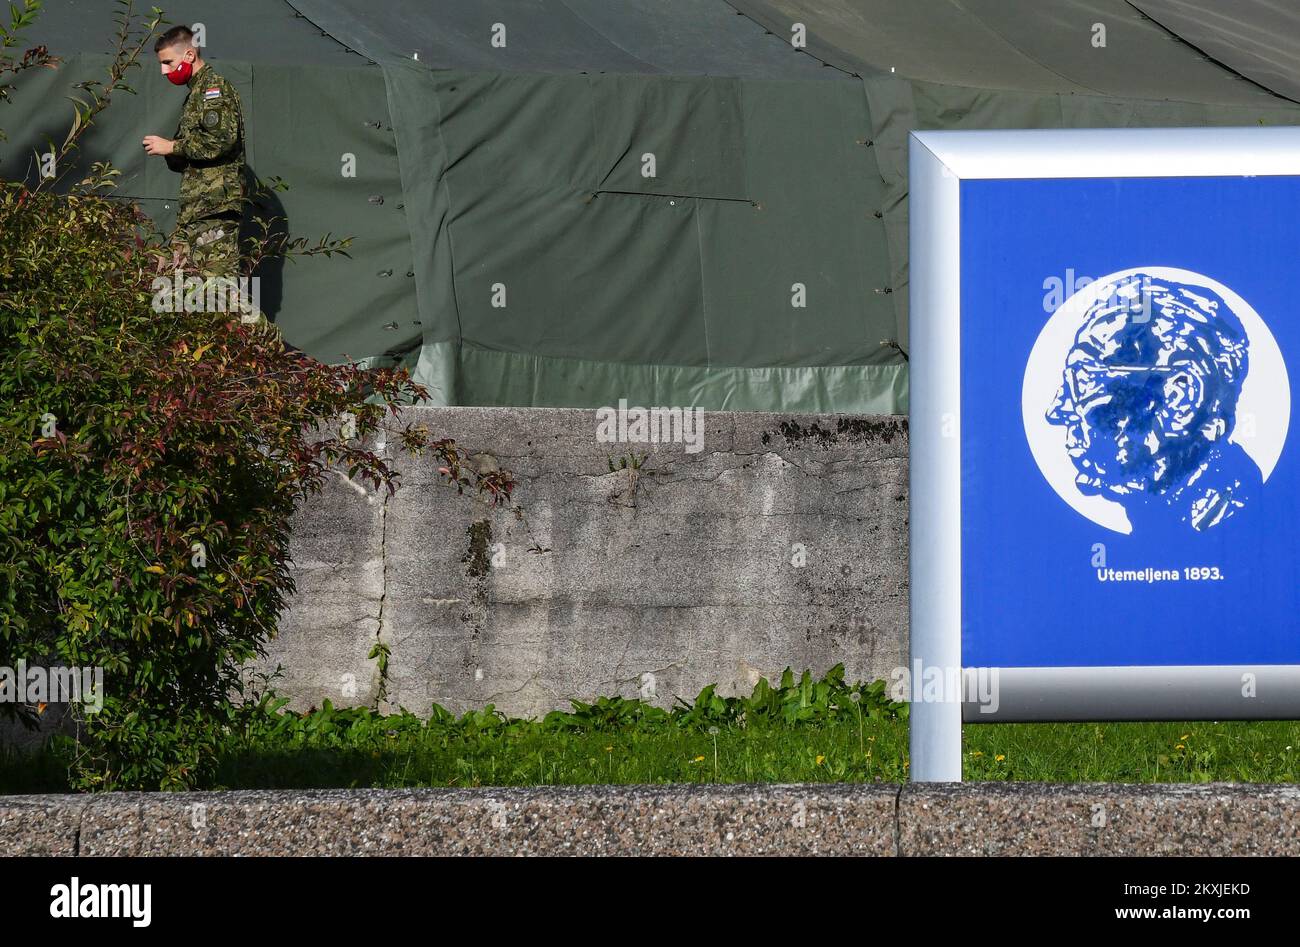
(208, 151)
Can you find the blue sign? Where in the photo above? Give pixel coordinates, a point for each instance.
(1105, 496)
(1129, 494)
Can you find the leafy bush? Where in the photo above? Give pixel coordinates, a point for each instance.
(149, 466)
(789, 703)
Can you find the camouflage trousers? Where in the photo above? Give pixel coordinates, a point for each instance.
(210, 244)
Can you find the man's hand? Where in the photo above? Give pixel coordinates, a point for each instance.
(155, 145)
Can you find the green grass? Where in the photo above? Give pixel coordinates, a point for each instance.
(1146, 752)
(533, 757)
(1151, 752)
(797, 731)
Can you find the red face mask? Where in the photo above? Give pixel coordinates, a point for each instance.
(181, 74)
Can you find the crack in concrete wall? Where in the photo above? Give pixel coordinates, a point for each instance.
(379, 681)
(782, 543)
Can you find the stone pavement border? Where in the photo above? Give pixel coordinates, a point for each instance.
(811, 819)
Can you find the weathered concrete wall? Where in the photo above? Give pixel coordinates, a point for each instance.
(782, 542)
(827, 819)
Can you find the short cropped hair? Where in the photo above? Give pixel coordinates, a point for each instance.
(176, 36)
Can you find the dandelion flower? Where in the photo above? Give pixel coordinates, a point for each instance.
(999, 757)
(821, 760)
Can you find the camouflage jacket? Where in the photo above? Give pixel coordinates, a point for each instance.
(209, 149)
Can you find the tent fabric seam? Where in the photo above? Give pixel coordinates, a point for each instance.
(480, 347)
(325, 32)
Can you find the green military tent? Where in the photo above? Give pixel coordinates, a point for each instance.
(677, 202)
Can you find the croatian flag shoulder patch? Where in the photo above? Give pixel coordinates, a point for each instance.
(213, 93)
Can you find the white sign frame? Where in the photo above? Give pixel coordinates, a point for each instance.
(938, 162)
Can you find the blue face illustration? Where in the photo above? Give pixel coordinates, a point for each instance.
(1148, 399)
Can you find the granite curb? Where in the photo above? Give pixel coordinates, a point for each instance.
(812, 819)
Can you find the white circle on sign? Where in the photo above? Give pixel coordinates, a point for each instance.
(1263, 407)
